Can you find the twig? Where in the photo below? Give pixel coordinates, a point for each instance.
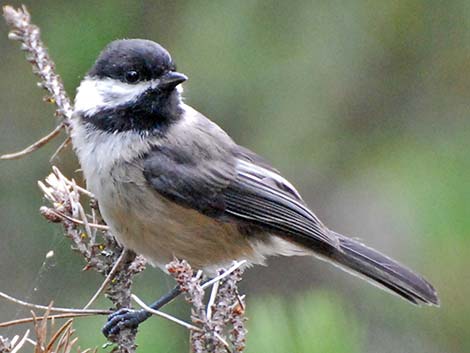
(13, 340)
(108, 279)
(85, 222)
(240, 301)
(56, 335)
(32, 342)
(59, 310)
(164, 315)
(224, 342)
(211, 301)
(20, 343)
(235, 266)
(69, 346)
(35, 146)
(59, 149)
(53, 317)
(71, 182)
(74, 220)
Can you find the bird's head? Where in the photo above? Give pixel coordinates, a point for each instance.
(133, 85)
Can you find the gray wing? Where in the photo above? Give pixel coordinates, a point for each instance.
(242, 187)
(194, 184)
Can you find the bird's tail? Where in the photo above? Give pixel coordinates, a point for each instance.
(382, 271)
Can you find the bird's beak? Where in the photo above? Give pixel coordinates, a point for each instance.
(171, 79)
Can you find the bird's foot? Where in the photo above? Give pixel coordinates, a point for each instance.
(130, 319)
(124, 319)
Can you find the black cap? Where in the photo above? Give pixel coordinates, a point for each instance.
(132, 60)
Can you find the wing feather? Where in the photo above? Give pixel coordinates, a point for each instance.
(276, 205)
(242, 187)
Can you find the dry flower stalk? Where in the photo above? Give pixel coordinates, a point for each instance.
(57, 341)
(28, 34)
(222, 322)
(99, 248)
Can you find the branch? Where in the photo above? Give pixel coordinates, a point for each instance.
(35, 146)
(108, 279)
(51, 308)
(28, 320)
(144, 306)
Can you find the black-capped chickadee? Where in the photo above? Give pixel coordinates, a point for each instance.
(171, 183)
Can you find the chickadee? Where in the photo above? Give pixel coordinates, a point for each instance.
(171, 183)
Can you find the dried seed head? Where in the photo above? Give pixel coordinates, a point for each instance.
(50, 215)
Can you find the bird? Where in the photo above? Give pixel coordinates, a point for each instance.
(170, 183)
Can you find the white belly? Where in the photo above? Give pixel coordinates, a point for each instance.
(161, 230)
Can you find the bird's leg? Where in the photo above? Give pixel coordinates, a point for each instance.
(130, 319)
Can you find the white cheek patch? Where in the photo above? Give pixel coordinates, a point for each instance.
(98, 94)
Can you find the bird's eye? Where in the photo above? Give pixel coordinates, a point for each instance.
(132, 76)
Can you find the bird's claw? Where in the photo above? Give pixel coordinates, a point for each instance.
(123, 319)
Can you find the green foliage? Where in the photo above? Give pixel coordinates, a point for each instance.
(316, 322)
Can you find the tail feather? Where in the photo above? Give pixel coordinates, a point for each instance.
(383, 271)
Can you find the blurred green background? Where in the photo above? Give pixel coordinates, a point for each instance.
(363, 105)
